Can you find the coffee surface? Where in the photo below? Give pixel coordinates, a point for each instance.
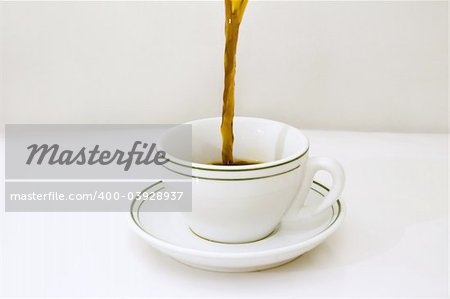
(234, 11)
(237, 162)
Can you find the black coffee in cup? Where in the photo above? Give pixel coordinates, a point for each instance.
(237, 162)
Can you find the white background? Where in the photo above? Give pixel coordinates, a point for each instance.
(353, 66)
(377, 66)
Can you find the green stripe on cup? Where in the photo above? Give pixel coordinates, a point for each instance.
(247, 169)
(241, 179)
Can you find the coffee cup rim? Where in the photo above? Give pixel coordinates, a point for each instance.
(203, 166)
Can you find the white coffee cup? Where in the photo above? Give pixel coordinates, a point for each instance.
(238, 204)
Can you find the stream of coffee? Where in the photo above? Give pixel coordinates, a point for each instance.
(234, 11)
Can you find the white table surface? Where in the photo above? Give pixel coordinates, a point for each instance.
(392, 243)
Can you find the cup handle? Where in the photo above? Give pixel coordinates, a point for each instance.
(313, 165)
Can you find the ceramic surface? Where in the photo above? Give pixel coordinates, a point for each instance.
(170, 234)
(238, 204)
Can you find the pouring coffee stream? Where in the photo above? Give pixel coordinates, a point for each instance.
(234, 11)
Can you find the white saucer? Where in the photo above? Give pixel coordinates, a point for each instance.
(169, 233)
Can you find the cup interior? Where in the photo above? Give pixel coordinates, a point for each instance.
(263, 140)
